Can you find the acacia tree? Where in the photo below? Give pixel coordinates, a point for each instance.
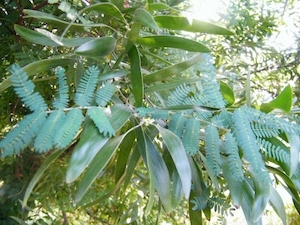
(121, 89)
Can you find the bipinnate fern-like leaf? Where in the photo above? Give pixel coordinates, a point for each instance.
(224, 119)
(234, 161)
(24, 88)
(191, 136)
(61, 101)
(246, 139)
(212, 149)
(178, 96)
(212, 93)
(273, 151)
(260, 130)
(101, 121)
(177, 124)
(220, 205)
(44, 140)
(87, 84)
(105, 93)
(69, 128)
(153, 113)
(22, 134)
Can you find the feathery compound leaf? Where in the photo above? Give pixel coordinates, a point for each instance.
(213, 160)
(45, 138)
(191, 136)
(86, 87)
(234, 161)
(212, 92)
(261, 130)
(105, 93)
(101, 121)
(246, 139)
(153, 113)
(62, 100)
(179, 95)
(22, 134)
(24, 88)
(69, 128)
(177, 123)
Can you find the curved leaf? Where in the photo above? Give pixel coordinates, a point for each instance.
(145, 18)
(173, 42)
(278, 205)
(97, 48)
(192, 25)
(227, 93)
(179, 157)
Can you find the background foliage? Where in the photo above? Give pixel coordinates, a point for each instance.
(125, 112)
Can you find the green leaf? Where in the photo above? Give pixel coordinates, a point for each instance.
(160, 6)
(283, 101)
(278, 205)
(170, 71)
(112, 74)
(178, 154)
(173, 42)
(50, 159)
(97, 48)
(97, 165)
(105, 8)
(177, 192)
(91, 141)
(136, 76)
(145, 18)
(40, 66)
(159, 173)
(294, 141)
(227, 93)
(191, 25)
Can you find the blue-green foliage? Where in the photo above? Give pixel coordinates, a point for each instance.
(178, 96)
(62, 100)
(273, 151)
(177, 124)
(153, 113)
(101, 121)
(44, 140)
(105, 93)
(234, 161)
(85, 90)
(212, 149)
(24, 88)
(69, 128)
(23, 133)
(191, 136)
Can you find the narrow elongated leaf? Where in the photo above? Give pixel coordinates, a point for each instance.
(160, 6)
(91, 141)
(227, 93)
(39, 66)
(97, 48)
(112, 74)
(105, 8)
(283, 101)
(50, 159)
(294, 141)
(178, 154)
(170, 71)
(136, 76)
(97, 165)
(278, 205)
(173, 42)
(159, 172)
(192, 25)
(177, 192)
(145, 18)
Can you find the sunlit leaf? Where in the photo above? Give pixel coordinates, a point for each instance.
(227, 93)
(278, 205)
(173, 42)
(145, 18)
(294, 141)
(192, 25)
(282, 102)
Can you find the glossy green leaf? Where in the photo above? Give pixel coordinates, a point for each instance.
(195, 215)
(282, 102)
(159, 173)
(173, 42)
(40, 66)
(160, 6)
(177, 192)
(278, 205)
(227, 93)
(97, 48)
(91, 141)
(105, 8)
(136, 76)
(112, 74)
(50, 19)
(178, 154)
(145, 18)
(170, 71)
(131, 165)
(294, 141)
(50, 159)
(96, 166)
(191, 25)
